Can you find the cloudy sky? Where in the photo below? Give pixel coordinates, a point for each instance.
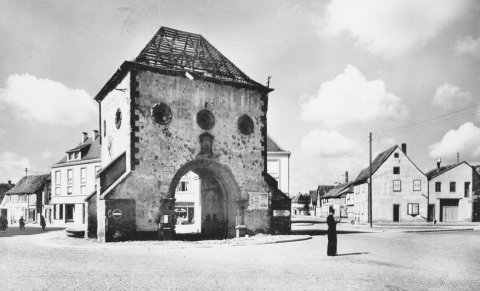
(405, 70)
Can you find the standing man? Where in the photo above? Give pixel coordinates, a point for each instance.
(332, 234)
(42, 222)
(22, 223)
(3, 223)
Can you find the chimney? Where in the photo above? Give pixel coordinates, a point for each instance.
(95, 134)
(404, 148)
(439, 161)
(346, 177)
(9, 182)
(84, 136)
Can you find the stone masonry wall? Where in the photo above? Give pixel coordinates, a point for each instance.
(160, 150)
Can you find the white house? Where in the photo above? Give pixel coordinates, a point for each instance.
(73, 179)
(187, 204)
(399, 189)
(453, 189)
(278, 165)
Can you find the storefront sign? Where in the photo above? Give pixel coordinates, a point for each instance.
(117, 213)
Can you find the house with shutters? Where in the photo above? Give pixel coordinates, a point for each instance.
(399, 189)
(26, 199)
(74, 179)
(454, 189)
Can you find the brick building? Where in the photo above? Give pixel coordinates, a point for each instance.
(180, 107)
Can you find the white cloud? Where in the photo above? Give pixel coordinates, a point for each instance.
(349, 97)
(46, 154)
(46, 101)
(12, 166)
(468, 45)
(464, 140)
(448, 96)
(326, 143)
(390, 28)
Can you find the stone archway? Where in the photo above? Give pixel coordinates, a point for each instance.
(219, 194)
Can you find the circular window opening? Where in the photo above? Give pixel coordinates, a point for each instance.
(162, 113)
(205, 119)
(118, 118)
(245, 124)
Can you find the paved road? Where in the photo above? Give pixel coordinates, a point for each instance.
(367, 261)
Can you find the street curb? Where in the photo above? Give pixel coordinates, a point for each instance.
(305, 237)
(439, 230)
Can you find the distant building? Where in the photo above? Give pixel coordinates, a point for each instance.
(300, 204)
(4, 187)
(399, 189)
(74, 178)
(453, 190)
(25, 199)
(187, 204)
(336, 198)
(278, 165)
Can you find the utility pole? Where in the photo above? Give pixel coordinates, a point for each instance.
(370, 186)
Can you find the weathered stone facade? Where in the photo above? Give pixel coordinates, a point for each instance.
(231, 164)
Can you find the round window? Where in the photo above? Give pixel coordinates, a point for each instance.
(118, 118)
(162, 113)
(245, 124)
(205, 119)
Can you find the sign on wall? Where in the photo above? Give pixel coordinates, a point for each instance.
(258, 200)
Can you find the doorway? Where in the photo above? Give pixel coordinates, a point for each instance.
(431, 212)
(396, 212)
(448, 210)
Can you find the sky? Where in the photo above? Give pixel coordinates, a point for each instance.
(405, 70)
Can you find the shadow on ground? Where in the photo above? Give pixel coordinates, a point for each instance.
(15, 231)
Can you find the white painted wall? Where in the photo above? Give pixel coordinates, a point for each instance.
(278, 166)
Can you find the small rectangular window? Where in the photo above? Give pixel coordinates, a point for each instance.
(57, 178)
(438, 186)
(397, 185)
(83, 175)
(395, 155)
(183, 186)
(467, 189)
(83, 190)
(57, 191)
(69, 190)
(396, 170)
(412, 209)
(70, 176)
(417, 185)
(453, 187)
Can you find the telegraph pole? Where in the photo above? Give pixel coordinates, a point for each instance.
(370, 186)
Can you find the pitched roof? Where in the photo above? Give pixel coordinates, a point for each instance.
(339, 190)
(379, 160)
(323, 189)
(273, 146)
(4, 188)
(175, 50)
(94, 151)
(437, 172)
(29, 184)
(301, 199)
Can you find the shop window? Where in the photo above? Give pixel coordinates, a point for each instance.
(453, 186)
(438, 186)
(69, 210)
(185, 212)
(412, 209)
(60, 206)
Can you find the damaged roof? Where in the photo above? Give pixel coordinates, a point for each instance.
(172, 49)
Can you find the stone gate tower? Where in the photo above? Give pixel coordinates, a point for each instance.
(180, 107)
